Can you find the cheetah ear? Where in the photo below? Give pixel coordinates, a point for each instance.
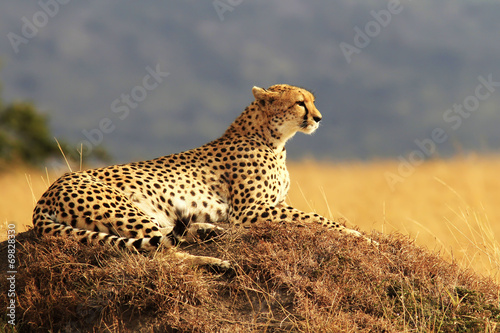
(261, 94)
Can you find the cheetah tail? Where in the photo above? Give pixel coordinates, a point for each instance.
(49, 226)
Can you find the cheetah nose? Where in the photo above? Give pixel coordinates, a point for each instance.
(317, 119)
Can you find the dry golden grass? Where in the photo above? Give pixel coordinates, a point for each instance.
(446, 205)
(285, 278)
(20, 188)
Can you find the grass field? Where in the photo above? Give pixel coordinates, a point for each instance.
(450, 206)
(283, 278)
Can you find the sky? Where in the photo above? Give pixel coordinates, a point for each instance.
(150, 78)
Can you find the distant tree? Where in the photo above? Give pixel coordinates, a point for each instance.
(25, 137)
(24, 134)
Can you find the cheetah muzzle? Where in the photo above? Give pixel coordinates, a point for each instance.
(240, 178)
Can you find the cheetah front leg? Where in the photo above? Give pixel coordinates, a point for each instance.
(283, 213)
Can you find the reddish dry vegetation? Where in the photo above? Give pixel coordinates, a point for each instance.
(286, 279)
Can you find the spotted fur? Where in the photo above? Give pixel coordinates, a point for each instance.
(240, 178)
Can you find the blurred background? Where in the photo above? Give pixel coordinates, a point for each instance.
(397, 82)
(385, 73)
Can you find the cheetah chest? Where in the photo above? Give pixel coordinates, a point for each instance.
(283, 185)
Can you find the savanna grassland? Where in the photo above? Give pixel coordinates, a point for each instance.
(450, 206)
(284, 278)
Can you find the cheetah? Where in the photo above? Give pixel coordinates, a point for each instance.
(240, 178)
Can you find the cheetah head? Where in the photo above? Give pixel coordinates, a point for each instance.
(289, 109)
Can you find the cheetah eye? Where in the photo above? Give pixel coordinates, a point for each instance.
(301, 103)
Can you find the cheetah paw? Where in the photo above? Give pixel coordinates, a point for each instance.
(206, 231)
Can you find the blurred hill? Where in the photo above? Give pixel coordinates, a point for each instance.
(85, 58)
